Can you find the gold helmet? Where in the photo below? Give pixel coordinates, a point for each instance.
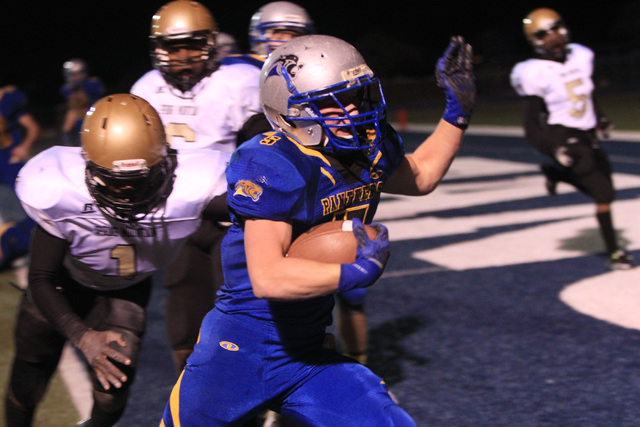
(183, 24)
(129, 167)
(540, 22)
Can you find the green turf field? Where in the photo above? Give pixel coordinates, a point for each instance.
(57, 409)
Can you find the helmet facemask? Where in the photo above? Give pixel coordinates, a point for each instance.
(554, 49)
(265, 41)
(352, 115)
(547, 33)
(131, 190)
(194, 67)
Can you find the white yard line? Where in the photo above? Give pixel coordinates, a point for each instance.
(75, 376)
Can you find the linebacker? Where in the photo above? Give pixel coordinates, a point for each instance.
(108, 215)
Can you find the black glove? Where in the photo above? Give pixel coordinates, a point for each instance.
(98, 348)
(454, 74)
(604, 126)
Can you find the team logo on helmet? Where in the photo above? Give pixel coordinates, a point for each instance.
(288, 63)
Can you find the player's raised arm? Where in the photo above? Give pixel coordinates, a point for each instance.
(422, 170)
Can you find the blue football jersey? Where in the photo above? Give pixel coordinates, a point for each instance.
(244, 58)
(273, 177)
(12, 107)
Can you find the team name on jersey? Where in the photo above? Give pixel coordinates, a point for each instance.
(125, 231)
(345, 199)
(178, 110)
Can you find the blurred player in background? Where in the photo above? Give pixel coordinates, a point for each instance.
(226, 45)
(262, 346)
(18, 132)
(270, 26)
(80, 91)
(202, 105)
(108, 215)
(562, 117)
(276, 23)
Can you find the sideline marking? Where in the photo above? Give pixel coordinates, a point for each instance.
(612, 297)
(74, 374)
(539, 234)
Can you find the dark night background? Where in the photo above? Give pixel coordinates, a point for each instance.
(398, 39)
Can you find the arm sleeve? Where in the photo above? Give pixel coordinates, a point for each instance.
(543, 137)
(217, 210)
(46, 264)
(533, 120)
(255, 125)
(598, 108)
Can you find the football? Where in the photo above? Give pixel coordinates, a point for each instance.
(331, 242)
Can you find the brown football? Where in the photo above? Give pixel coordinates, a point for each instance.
(331, 242)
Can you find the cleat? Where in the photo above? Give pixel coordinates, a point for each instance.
(620, 260)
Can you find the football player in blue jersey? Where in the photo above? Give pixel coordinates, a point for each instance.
(226, 45)
(18, 132)
(270, 26)
(109, 214)
(329, 157)
(80, 91)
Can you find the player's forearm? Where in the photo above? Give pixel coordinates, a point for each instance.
(32, 131)
(217, 209)
(46, 261)
(294, 278)
(428, 164)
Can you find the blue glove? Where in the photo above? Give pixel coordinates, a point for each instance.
(454, 74)
(371, 258)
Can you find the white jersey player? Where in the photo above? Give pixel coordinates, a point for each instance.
(108, 215)
(104, 253)
(202, 104)
(208, 115)
(562, 119)
(566, 87)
